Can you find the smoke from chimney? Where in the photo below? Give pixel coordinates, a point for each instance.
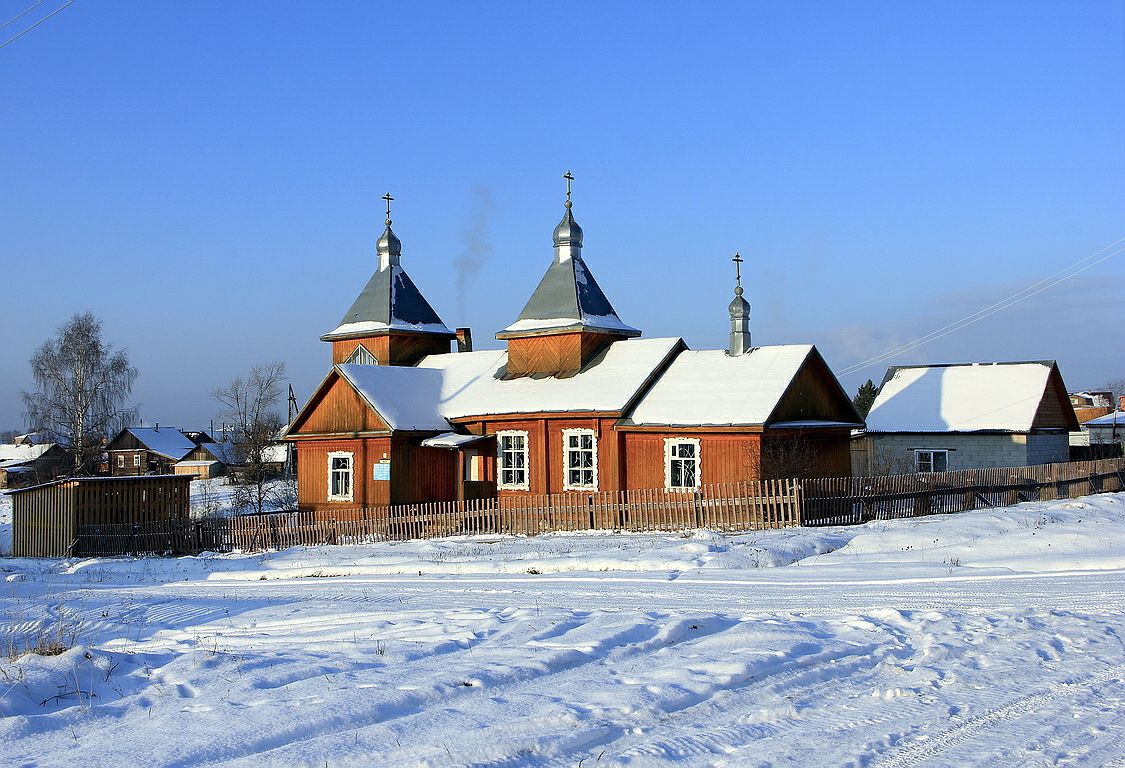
(477, 246)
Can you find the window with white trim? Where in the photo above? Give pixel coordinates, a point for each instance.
(580, 460)
(681, 464)
(341, 466)
(120, 461)
(136, 459)
(511, 460)
(360, 356)
(929, 460)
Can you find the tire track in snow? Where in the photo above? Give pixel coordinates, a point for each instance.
(919, 750)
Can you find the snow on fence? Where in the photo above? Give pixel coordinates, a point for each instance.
(724, 507)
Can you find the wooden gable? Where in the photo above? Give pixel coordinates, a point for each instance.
(814, 395)
(1055, 410)
(337, 409)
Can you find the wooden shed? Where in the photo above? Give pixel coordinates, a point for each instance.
(46, 519)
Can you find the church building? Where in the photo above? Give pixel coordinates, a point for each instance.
(576, 401)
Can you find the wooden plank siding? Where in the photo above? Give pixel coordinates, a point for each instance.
(338, 409)
(46, 519)
(724, 457)
(557, 353)
(393, 348)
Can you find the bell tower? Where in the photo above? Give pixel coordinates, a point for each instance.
(568, 320)
(390, 322)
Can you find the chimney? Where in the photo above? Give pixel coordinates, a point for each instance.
(464, 339)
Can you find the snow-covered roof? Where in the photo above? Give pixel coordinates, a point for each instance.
(452, 440)
(442, 388)
(224, 452)
(712, 388)
(471, 383)
(406, 398)
(1110, 419)
(196, 463)
(228, 453)
(960, 398)
(167, 441)
(23, 453)
(275, 454)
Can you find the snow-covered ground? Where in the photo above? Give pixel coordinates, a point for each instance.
(984, 638)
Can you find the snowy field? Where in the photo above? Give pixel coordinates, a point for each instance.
(985, 638)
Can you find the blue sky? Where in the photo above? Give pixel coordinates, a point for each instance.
(206, 177)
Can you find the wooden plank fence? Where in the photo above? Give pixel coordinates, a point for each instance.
(851, 500)
(728, 507)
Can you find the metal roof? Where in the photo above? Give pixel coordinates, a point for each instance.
(568, 297)
(389, 301)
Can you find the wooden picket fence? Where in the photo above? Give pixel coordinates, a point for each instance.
(728, 507)
(851, 500)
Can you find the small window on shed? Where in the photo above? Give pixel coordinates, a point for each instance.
(931, 460)
(360, 356)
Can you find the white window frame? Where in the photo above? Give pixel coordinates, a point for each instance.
(566, 435)
(669, 444)
(136, 460)
(350, 456)
(526, 484)
(121, 461)
(361, 351)
(931, 452)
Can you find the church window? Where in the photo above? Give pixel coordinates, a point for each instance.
(511, 455)
(580, 460)
(340, 475)
(681, 464)
(360, 356)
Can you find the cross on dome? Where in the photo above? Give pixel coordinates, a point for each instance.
(388, 198)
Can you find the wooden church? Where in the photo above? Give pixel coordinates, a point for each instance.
(576, 402)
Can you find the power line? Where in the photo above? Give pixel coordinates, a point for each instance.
(36, 24)
(1034, 289)
(20, 15)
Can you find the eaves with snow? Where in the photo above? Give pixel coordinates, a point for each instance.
(972, 397)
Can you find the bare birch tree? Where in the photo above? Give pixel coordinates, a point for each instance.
(250, 405)
(83, 385)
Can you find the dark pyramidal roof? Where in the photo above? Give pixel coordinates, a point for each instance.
(390, 301)
(568, 297)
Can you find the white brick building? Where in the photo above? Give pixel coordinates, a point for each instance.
(965, 416)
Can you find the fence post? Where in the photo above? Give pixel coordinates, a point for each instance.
(133, 542)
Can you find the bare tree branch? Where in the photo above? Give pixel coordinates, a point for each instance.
(83, 385)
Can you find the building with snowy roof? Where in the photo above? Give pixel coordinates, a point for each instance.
(1107, 430)
(148, 450)
(932, 418)
(27, 462)
(575, 402)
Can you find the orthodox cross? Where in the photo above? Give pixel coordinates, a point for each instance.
(738, 260)
(388, 198)
(569, 178)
